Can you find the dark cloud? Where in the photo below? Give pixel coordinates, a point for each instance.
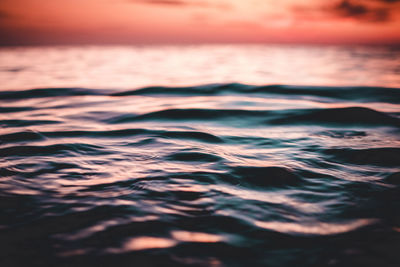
(165, 2)
(389, 1)
(171, 2)
(362, 11)
(370, 11)
(186, 3)
(4, 14)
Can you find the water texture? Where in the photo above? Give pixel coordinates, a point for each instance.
(127, 67)
(226, 174)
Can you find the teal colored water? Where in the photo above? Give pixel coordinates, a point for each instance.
(105, 165)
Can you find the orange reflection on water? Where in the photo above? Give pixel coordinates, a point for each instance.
(269, 197)
(318, 228)
(185, 236)
(127, 67)
(147, 242)
(71, 253)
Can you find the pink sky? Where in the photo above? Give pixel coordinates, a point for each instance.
(199, 21)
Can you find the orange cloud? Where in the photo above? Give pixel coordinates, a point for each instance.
(198, 21)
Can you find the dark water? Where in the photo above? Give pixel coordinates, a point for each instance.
(213, 175)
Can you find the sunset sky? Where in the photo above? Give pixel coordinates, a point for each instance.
(25, 22)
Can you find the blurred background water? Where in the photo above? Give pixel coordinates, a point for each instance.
(124, 67)
(200, 156)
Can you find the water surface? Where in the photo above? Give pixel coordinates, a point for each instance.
(98, 170)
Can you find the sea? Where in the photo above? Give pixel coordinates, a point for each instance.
(200, 155)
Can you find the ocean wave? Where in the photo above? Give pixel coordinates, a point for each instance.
(357, 93)
(351, 116)
(210, 175)
(367, 94)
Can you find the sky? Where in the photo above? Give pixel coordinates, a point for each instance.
(48, 22)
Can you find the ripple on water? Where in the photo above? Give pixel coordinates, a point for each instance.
(155, 178)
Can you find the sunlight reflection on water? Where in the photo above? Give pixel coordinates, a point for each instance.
(126, 67)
